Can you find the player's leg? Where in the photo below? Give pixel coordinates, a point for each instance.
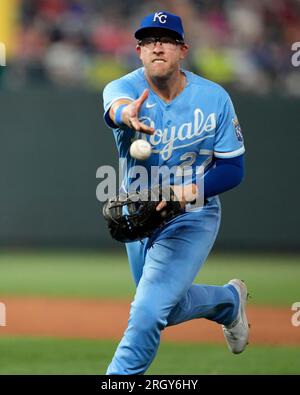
(157, 293)
(215, 303)
(136, 253)
(172, 262)
(197, 302)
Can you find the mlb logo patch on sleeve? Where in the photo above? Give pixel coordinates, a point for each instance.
(238, 129)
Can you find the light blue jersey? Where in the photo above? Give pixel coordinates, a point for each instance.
(199, 124)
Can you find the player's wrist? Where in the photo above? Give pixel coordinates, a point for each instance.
(186, 193)
(119, 115)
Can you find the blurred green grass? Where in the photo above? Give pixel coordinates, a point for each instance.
(59, 356)
(271, 279)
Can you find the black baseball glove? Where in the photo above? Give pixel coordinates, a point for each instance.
(133, 216)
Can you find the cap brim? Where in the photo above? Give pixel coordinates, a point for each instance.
(150, 31)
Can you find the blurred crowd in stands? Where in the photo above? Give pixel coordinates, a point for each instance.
(244, 45)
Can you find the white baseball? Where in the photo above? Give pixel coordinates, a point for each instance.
(140, 149)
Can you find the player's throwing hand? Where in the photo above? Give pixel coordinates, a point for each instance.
(130, 114)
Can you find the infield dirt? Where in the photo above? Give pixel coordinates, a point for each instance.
(107, 319)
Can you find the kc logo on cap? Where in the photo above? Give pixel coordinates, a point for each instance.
(162, 17)
(160, 20)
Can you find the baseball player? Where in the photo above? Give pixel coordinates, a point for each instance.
(188, 120)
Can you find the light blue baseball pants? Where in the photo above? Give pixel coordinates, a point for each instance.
(164, 268)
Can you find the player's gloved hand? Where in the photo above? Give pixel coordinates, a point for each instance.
(133, 216)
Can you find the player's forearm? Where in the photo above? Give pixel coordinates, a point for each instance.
(115, 107)
(227, 174)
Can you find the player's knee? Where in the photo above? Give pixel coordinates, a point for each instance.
(146, 317)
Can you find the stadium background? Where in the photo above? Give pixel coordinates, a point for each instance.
(54, 245)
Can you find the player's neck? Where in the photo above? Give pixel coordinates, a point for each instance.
(168, 88)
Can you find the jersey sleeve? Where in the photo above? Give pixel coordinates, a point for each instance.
(115, 90)
(229, 141)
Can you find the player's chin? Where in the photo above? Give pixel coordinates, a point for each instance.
(159, 70)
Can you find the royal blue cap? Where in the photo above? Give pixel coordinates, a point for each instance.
(160, 20)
